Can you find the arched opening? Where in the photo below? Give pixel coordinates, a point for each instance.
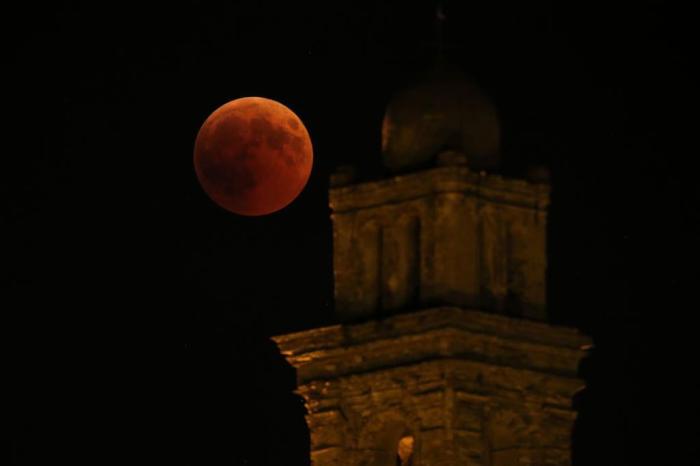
(387, 440)
(404, 451)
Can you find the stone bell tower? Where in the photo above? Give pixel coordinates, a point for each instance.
(443, 356)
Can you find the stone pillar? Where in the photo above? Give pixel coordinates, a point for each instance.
(400, 263)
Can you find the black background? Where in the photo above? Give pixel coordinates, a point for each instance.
(137, 313)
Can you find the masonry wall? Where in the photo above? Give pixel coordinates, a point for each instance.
(471, 389)
(445, 236)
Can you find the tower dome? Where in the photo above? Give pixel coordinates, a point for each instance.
(446, 111)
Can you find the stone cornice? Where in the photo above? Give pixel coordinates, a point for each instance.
(451, 179)
(440, 333)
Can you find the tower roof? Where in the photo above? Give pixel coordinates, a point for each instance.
(444, 110)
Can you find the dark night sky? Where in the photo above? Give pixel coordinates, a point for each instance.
(138, 313)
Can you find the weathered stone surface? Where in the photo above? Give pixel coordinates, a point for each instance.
(469, 387)
(333, 456)
(442, 333)
(444, 236)
(462, 386)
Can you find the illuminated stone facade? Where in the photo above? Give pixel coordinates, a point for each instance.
(444, 236)
(443, 358)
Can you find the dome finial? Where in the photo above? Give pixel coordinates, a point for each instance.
(440, 20)
(443, 111)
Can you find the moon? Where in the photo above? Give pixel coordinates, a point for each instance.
(253, 156)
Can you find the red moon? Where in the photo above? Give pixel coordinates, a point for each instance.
(253, 156)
